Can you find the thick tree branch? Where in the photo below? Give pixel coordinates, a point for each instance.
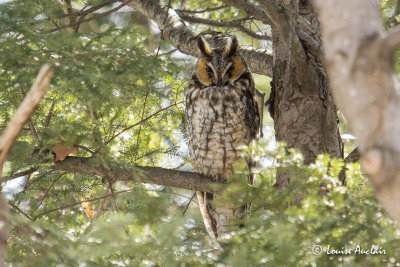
(276, 15)
(153, 175)
(173, 28)
(361, 75)
(313, 46)
(189, 11)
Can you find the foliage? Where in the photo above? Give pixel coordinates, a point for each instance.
(149, 228)
(119, 99)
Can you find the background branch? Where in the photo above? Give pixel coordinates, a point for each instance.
(24, 112)
(76, 23)
(250, 8)
(238, 24)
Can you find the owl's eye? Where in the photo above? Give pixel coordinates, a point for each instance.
(208, 69)
(231, 68)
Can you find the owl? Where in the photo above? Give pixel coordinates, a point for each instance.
(222, 115)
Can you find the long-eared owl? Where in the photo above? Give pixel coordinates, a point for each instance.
(221, 116)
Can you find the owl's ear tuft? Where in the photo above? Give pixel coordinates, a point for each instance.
(232, 46)
(204, 46)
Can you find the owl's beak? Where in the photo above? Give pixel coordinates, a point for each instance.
(219, 81)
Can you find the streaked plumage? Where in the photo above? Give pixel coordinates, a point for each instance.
(221, 115)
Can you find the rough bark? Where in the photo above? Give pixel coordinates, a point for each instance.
(360, 63)
(173, 29)
(300, 102)
(153, 175)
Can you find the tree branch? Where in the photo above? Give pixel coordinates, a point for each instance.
(188, 11)
(23, 173)
(251, 9)
(48, 118)
(77, 203)
(30, 122)
(238, 24)
(260, 61)
(89, 10)
(76, 23)
(141, 121)
(313, 46)
(24, 112)
(276, 15)
(153, 175)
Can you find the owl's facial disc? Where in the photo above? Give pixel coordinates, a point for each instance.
(218, 67)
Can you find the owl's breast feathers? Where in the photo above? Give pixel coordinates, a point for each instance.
(219, 120)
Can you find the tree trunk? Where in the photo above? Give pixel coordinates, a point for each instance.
(300, 103)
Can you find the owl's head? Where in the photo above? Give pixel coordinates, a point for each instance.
(219, 66)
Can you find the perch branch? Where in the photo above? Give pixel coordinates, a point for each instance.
(154, 175)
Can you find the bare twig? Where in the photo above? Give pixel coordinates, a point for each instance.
(168, 52)
(112, 193)
(48, 118)
(88, 11)
(91, 18)
(188, 204)
(238, 24)
(140, 122)
(251, 9)
(30, 122)
(19, 174)
(79, 203)
(47, 192)
(87, 149)
(20, 211)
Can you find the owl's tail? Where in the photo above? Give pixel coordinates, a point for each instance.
(217, 217)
